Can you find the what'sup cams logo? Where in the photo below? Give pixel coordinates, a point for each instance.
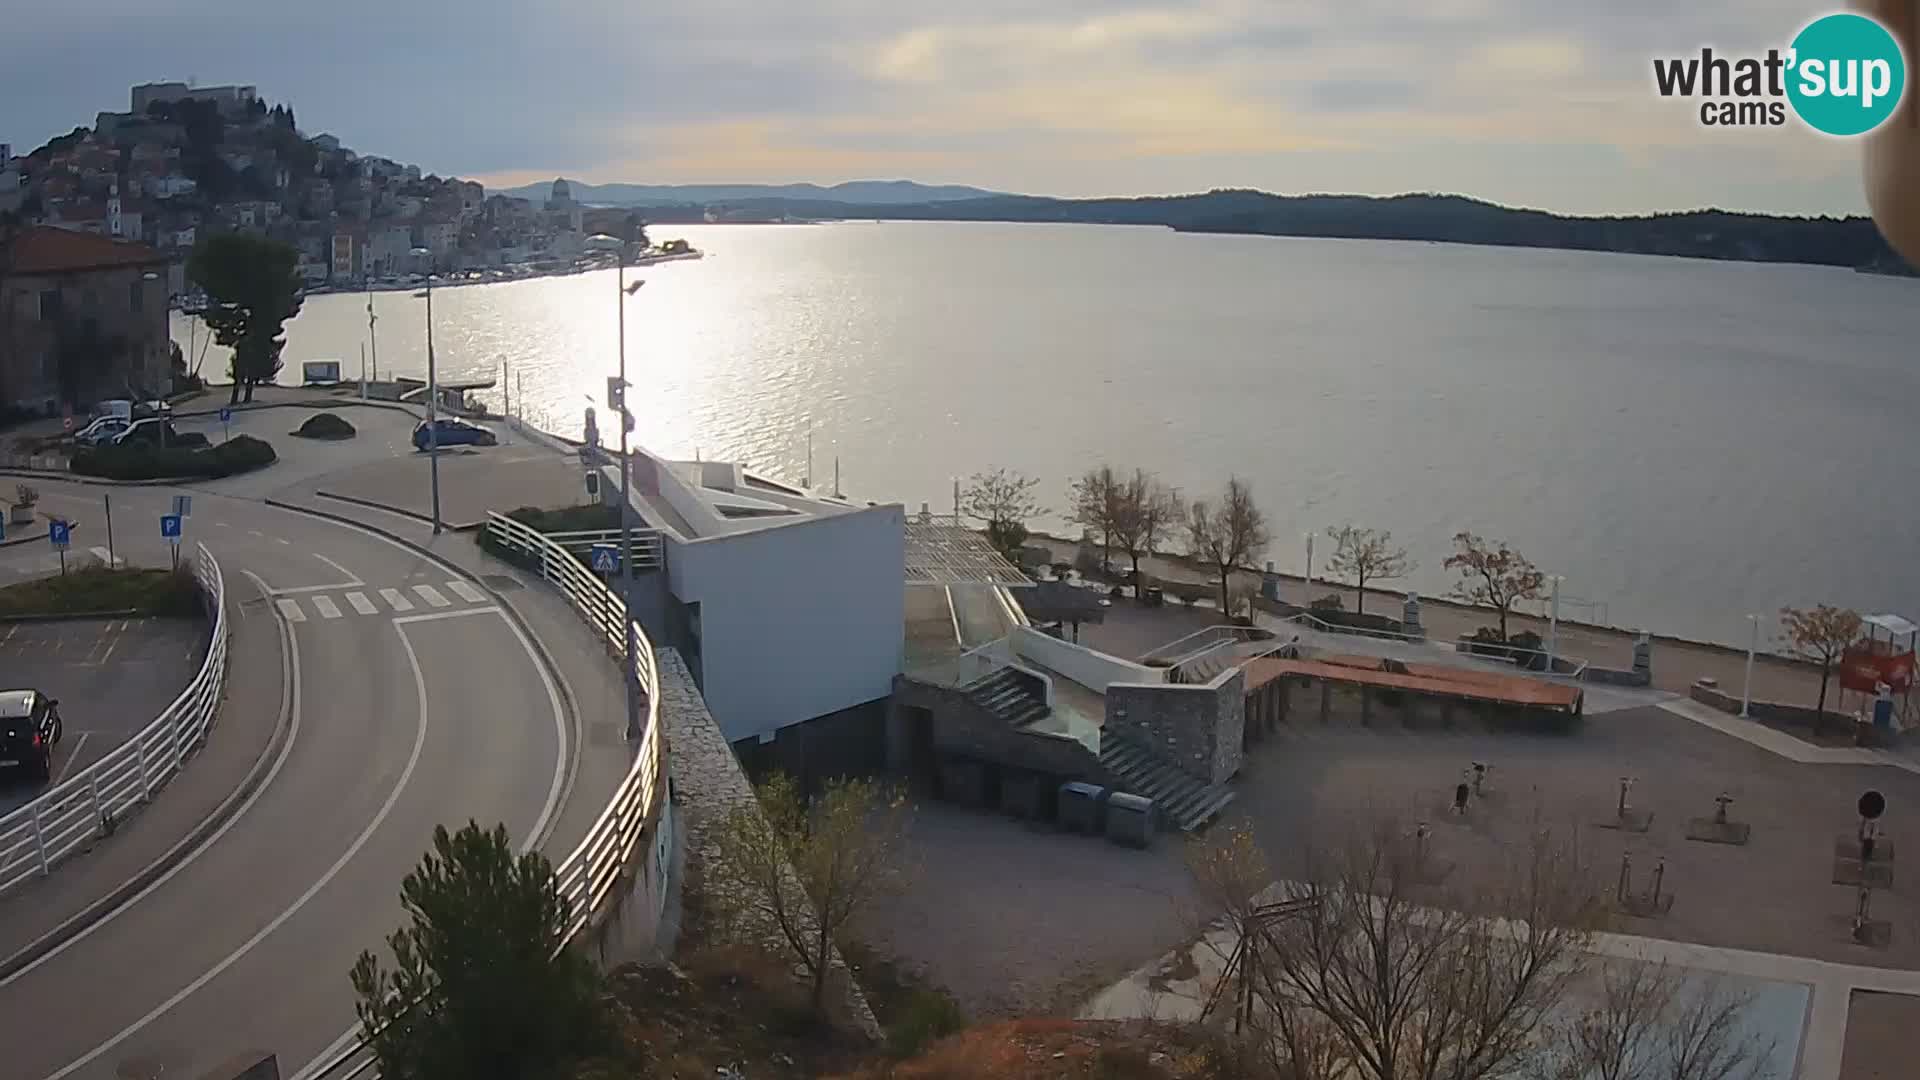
(1843, 75)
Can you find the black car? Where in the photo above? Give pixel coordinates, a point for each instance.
(29, 728)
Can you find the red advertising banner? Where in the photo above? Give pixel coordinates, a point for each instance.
(1864, 670)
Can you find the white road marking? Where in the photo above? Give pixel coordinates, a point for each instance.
(291, 609)
(361, 604)
(247, 946)
(395, 600)
(106, 557)
(436, 616)
(256, 532)
(72, 757)
(327, 608)
(431, 595)
(352, 578)
(222, 525)
(282, 540)
(467, 592)
(290, 708)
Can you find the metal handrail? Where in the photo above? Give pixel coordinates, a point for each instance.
(590, 874)
(92, 802)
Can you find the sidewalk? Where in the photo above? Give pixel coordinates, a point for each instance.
(215, 782)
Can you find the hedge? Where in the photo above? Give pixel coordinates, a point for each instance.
(325, 425)
(242, 453)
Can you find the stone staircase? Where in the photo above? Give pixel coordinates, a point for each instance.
(1009, 695)
(1182, 799)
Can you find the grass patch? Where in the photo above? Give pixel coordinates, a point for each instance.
(913, 1012)
(97, 588)
(324, 425)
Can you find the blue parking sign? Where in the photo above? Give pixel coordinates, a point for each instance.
(60, 533)
(226, 414)
(169, 526)
(605, 558)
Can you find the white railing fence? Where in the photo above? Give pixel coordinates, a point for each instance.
(90, 804)
(590, 875)
(648, 550)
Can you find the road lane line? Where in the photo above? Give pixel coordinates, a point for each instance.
(352, 578)
(436, 616)
(247, 946)
(71, 758)
(290, 711)
(326, 607)
(467, 592)
(361, 604)
(432, 596)
(256, 532)
(291, 609)
(282, 540)
(395, 600)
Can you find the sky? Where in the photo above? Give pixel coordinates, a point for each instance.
(1542, 103)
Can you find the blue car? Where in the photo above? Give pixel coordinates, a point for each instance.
(451, 432)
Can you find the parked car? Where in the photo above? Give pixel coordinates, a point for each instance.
(100, 431)
(30, 727)
(449, 431)
(153, 429)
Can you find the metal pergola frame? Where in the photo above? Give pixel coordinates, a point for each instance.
(950, 555)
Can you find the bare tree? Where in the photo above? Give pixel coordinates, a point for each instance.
(1002, 500)
(1366, 555)
(1147, 509)
(1492, 575)
(1650, 1021)
(1228, 535)
(1375, 975)
(803, 870)
(1094, 504)
(1823, 635)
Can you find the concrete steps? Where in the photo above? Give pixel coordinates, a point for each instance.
(1184, 800)
(1008, 695)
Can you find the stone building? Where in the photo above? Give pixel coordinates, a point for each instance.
(104, 300)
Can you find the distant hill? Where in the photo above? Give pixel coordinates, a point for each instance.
(1705, 234)
(872, 192)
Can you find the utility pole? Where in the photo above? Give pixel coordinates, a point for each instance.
(621, 292)
(373, 342)
(433, 403)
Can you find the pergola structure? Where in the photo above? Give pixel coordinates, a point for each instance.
(950, 555)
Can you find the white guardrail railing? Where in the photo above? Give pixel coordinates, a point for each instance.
(90, 803)
(589, 876)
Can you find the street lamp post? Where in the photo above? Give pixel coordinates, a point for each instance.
(1553, 622)
(1753, 644)
(433, 402)
(621, 291)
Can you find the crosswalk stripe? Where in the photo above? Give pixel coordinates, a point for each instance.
(432, 596)
(361, 604)
(467, 592)
(326, 606)
(395, 600)
(291, 609)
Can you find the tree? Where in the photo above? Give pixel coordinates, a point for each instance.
(1094, 504)
(1366, 554)
(1003, 501)
(1363, 969)
(483, 983)
(1228, 535)
(252, 289)
(1147, 509)
(1823, 634)
(1650, 1021)
(804, 870)
(1492, 576)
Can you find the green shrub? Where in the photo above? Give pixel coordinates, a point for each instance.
(242, 453)
(928, 1017)
(325, 425)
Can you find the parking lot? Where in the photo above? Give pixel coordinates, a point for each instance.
(111, 677)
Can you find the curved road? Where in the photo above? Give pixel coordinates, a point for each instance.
(413, 702)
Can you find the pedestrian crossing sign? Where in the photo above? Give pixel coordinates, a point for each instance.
(606, 558)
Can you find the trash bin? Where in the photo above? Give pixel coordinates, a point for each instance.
(1080, 807)
(1129, 819)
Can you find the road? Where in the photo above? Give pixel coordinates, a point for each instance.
(413, 702)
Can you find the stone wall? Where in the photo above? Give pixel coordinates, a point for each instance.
(1199, 728)
(708, 785)
(1706, 693)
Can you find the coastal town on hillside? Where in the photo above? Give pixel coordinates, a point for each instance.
(183, 161)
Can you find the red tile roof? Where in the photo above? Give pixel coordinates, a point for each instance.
(43, 249)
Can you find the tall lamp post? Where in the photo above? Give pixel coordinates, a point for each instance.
(433, 397)
(1746, 686)
(617, 400)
